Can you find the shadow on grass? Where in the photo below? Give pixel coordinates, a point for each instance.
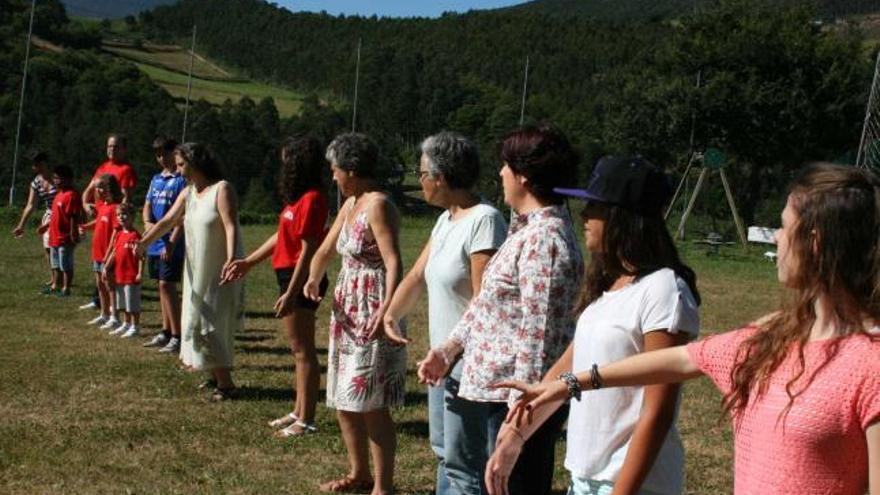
(260, 314)
(252, 338)
(283, 368)
(248, 393)
(275, 350)
(413, 428)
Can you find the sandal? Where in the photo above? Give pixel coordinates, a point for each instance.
(284, 421)
(222, 394)
(347, 485)
(297, 429)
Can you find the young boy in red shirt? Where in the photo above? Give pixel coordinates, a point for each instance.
(63, 230)
(127, 269)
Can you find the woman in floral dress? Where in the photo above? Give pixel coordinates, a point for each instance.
(365, 372)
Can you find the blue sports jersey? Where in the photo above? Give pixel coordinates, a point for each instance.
(164, 190)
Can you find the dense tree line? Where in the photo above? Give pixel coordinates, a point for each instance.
(776, 88)
(76, 97)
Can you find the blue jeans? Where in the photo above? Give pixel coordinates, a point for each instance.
(462, 434)
(581, 486)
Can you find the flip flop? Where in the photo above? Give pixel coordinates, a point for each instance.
(284, 421)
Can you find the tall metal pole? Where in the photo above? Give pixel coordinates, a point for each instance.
(357, 74)
(189, 81)
(522, 107)
(27, 58)
(868, 114)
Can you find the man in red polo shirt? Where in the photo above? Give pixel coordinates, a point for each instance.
(118, 167)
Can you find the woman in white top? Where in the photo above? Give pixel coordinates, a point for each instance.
(211, 312)
(450, 266)
(638, 297)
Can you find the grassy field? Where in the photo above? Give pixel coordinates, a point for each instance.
(81, 412)
(218, 91)
(172, 57)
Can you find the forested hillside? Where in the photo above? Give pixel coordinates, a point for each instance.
(76, 97)
(776, 89)
(629, 10)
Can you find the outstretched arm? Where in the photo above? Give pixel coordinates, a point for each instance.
(324, 253)
(672, 365)
(227, 206)
(18, 231)
(166, 223)
(873, 437)
(406, 297)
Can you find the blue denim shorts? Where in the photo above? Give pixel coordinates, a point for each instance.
(580, 486)
(61, 257)
(97, 266)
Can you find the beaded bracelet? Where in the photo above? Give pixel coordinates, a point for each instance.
(571, 382)
(595, 378)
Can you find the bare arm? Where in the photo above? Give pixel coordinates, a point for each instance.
(308, 247)
(872, 435)
(146, 214)
(672, 365)
(655, 420)
(324, 254)
(227, 206)
(26, 213)
(88, 196)
(479, 260)
(406, 297)
(385, 224)
(166, 223)
(239, 268)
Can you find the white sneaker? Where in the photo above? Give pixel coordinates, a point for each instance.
(121, 329)
(98, 320)
(172, 347)
(89, 305)
(111, 323)
(160, 340)
(131, 333)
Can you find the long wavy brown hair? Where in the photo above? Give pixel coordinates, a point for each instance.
(633, 244)
(834, 246)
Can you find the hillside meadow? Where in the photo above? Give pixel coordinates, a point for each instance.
(81, 412)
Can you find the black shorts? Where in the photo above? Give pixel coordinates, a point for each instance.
(166, 271)
(284, 275)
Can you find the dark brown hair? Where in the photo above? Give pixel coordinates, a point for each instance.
(109, 183)
(835, 245)
(633, 244)
(302, 162)
(543, 155)
(202, 159)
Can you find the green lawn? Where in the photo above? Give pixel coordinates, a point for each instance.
(216, 92)
(81, 412)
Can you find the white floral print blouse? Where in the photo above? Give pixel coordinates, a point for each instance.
(523, 318)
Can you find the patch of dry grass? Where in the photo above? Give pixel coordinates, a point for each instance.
(81, 412)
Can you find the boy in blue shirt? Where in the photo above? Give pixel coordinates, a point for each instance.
(165, 256)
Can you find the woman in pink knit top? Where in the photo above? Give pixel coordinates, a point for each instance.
(803, 384)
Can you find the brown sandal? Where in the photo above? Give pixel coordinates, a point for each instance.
(347, 485)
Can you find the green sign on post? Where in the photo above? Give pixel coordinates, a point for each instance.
(714, 158)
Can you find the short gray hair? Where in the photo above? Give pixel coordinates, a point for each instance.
(454, 156)
(354, 152)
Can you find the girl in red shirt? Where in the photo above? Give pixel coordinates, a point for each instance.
(302, 226)
(127, 271)
(105, 226)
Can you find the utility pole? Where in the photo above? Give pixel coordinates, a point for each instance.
(27, 58)
(522, 107)
(189, 82)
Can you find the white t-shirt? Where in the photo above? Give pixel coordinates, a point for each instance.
(601, 424)
(448, 272)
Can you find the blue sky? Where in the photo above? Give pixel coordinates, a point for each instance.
(392, 8)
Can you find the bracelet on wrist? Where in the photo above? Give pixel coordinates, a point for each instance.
(595, 377)
(571, 382)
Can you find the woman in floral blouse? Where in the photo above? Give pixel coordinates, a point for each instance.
(521, 321)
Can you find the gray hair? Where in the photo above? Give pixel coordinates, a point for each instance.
(354, 152)
(454, 156)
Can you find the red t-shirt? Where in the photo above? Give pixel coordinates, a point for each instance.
(305, 218)
(105, 223)
(125, 261)
(65, 208)
(123, 172)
